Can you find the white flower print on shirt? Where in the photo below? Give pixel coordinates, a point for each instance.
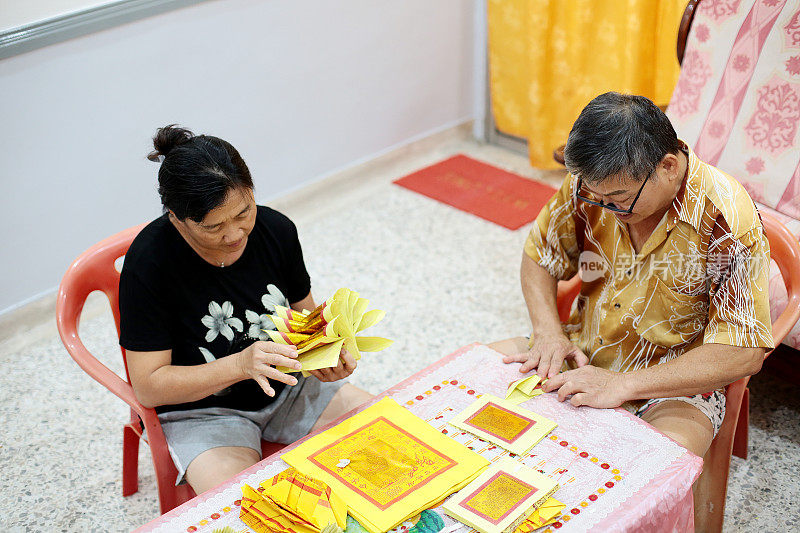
(273, 297)
(220, 320)
(258, 323)
(208, 356)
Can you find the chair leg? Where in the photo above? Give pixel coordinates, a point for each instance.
(740, 440)
(171, 496)
(711, 488)
(167, 497)
(184, 493)
(130, 461)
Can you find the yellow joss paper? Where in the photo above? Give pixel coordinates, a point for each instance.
(287, 337)
(387, 464)
(544, 515)
(501, 498)
(503, 423)
(526, 385)
(324, 356)
(334, 323)
(524, 389)
(304, 341)
(292, 502)
(288, 313)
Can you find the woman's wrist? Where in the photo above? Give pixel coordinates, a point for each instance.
(236, 368)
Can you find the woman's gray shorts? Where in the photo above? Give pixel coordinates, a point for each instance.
(290, 417)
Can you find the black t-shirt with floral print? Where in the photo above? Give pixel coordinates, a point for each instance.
(172, 299)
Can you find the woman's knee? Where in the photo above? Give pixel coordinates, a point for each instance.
(215, 465)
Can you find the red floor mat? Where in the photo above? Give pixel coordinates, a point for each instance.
(493, 194)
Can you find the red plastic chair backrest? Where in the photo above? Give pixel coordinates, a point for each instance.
(784, 249)
(94, 270)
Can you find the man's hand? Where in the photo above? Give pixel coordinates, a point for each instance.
(547, 354)
(589, 385)
(258, 362)
(345, 367)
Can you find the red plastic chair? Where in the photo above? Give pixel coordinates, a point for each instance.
(732, 436)
(94, 270)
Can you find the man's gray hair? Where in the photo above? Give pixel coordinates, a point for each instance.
(619, 135)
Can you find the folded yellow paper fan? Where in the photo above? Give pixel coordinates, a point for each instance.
(319, 335)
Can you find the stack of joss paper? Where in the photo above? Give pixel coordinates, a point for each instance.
(544, 515)
(291, 502)
(504, 497)
(503, 423)
(319, 335)
(387, 464)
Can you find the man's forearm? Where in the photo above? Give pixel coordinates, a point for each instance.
(703, 369)
(539, 289)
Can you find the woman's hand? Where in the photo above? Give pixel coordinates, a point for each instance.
(547, 354)
(345, 367)
(258, 362)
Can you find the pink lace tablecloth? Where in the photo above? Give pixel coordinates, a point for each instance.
(616, 472)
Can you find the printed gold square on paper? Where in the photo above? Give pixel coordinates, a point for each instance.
(500, 422)
(501, 498)
(381, 472)
(387, 464)
(503, 423)
(498, 497)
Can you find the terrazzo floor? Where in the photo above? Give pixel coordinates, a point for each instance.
(60, 449)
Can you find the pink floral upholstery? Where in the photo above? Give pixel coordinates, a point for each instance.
(737, 103)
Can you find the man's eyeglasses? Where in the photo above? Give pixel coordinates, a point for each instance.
(611, 207)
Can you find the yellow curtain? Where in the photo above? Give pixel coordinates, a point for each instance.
(548, 58)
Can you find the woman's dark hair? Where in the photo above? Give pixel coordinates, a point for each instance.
(619, 135)
(197, 171)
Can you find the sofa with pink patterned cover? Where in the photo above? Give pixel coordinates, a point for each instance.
(737, 103)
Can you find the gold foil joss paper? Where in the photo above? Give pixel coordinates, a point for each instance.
(320, 335)
(503, 423)
(501, 498)
(292, 502)
(387, 464)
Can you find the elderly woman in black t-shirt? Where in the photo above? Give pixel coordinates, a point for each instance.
(197, 286)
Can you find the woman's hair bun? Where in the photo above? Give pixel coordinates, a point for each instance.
(167, 138)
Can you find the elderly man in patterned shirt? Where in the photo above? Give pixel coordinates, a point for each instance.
(674, 268)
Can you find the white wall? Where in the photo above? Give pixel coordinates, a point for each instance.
(16, 13)
(300, 87)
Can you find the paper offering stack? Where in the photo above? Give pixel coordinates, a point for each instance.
(291, 502)
(387, 464)
(501, 498)
(503, 423)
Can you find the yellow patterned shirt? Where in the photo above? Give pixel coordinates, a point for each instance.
(701, 277)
